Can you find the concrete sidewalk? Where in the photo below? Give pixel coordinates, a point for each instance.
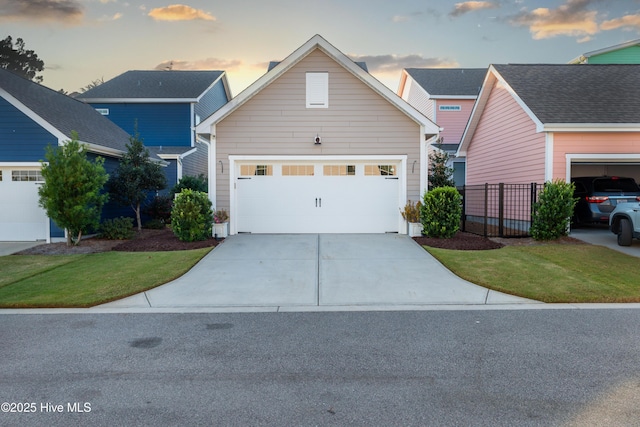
(306, 272)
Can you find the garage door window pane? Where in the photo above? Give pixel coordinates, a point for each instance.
(339, 170)
(34, 176)
(379, 170)
(256, 170)
(297, 170)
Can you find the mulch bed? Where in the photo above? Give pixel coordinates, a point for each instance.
(460, 241)
(472, 242)
(144, 241)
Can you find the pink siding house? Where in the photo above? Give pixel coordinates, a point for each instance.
(446, 96)
(536, 123)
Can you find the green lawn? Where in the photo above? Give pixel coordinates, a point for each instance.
(87, 280)
(550, 272)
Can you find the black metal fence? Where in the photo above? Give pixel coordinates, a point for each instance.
(499, 210)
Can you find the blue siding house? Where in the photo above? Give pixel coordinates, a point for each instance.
(164, 107)
(32, 117)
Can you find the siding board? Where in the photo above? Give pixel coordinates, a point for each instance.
(505, 146)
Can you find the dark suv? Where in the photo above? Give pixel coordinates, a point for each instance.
(599, 195)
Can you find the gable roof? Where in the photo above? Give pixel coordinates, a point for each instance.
(585, 56)
(61, 114)
(564, 97)
(317, 42)
(156, 86)
(444, 82)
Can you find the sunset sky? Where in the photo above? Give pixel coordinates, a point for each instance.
(84, 40)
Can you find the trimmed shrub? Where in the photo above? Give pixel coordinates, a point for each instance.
(192, 217)
(117, 229)
(440, 212)
(552, 212)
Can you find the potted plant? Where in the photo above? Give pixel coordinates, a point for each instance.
(411, 214)
(220, 224)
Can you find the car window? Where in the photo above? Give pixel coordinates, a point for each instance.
(615, 184)
(580, 188)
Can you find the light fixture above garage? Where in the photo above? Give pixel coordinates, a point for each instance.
(317, 140)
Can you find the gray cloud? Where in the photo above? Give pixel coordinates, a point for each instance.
(201, 64)
(470, 6)
(574, 18)
(68, 12)
(394, 63)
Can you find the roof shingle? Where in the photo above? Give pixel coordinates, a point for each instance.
(65, 113)
(154, 84)
(588, 93)
(449, 81)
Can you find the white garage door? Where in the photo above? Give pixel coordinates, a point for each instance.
(318, 197)
(21, 219)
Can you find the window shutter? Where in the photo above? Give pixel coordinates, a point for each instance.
(317, 90)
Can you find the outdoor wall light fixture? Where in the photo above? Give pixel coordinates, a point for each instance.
(221, 166)
(317, 140)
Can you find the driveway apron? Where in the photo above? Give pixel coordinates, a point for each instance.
(307, 270)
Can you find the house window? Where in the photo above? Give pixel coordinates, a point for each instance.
(26, 175)
(317, 90)
(297, 170)
(339, 170)
(256, 170)
(379, 170)
(103, 111)
(449, 108)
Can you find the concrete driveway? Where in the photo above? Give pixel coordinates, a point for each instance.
(310, 272)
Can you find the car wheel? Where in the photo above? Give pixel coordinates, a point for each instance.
(626, 234)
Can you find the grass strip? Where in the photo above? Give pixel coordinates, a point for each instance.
(15, 268)
(92, 279)
(550, 273)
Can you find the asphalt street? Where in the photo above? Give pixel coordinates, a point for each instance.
(468, 368)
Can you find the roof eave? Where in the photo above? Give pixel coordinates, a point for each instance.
(590, 127)
(137, 100)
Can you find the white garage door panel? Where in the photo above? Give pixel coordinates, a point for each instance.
(21, 219)
(318, 204)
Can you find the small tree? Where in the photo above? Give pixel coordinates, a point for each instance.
(135, 177)
(72, 190)
(440, 175)
(552, 212)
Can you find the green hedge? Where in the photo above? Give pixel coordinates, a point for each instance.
(192, 217)
(440, 212)
(552, 212)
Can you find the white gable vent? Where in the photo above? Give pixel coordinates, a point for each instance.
(317, 90)
(103, 111)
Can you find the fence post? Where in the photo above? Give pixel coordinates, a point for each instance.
(464, 208)
(486, 208)
(501, 210)
(534, 199)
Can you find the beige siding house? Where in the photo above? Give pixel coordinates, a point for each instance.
(316, 145)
